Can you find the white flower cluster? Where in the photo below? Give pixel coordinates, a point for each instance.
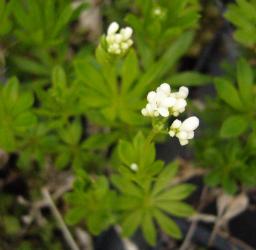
(163, 102)
(118, 43)
(184, 131)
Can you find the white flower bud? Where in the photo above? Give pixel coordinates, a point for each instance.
(190, 134)
(190, 124)
(180, 104)
(183, 92)
(126, 33)
(110, 38)
(176, 124)
(165, 88)
(163, 112)
(118, 38)
(124, 46)
(144, 112)
(157, 11)
(184, 131)
(151, 97)
(183, 142)
(129, 42)
(182, 135)
(134, 167)
(113, 28)
(171, 133)
(169, 102)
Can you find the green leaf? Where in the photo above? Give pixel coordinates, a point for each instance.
(99, 141)
(213, 178)
(148, 229)
(176, 208)
(72, 134)
(7, 140)
(31, 66)
(11, 91)
(247, 9)
(176, 193)
(167, 224)
(189, 78)
(63, 19)
(129, 228)
(165, 177)
(62, 159)
(245, 81)
(24, 102)
(234, 126)
(74, 215)
(107, 69)
(126, 152)
(126, 186)
(228, 93)
(59, 77)
(165, 63)
(130, 70)
(25, 120)
(229, 184)
(91, 77)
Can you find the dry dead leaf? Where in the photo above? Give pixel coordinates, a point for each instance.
(223, 202)
(230, 206)
(237, 206)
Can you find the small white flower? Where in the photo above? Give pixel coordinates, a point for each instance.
(163, 102)
(134, 167)
(118, 43)
(184, 131)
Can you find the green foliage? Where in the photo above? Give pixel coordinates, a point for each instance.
(230, 152)
(147, 195)
(16, 113)
(234, 126)
(80, 112)
(243, 15)
(39, 37)
(241, 99)
(110, 84)
(5, 21)
(158, 23)
(94, 201)
(41, 22)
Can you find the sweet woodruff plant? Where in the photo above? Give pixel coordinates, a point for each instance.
(142, 194)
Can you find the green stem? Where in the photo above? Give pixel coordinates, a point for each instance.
(150, 138)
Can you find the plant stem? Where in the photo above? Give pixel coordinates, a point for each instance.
(149, 138)
(67, 235)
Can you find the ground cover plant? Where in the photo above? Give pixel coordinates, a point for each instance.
(127, 124)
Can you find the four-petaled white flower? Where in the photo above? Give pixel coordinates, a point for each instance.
(184, 131)
(118, 42)
(163, 102)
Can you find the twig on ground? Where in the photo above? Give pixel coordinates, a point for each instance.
(193, 226)
(66, 233)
